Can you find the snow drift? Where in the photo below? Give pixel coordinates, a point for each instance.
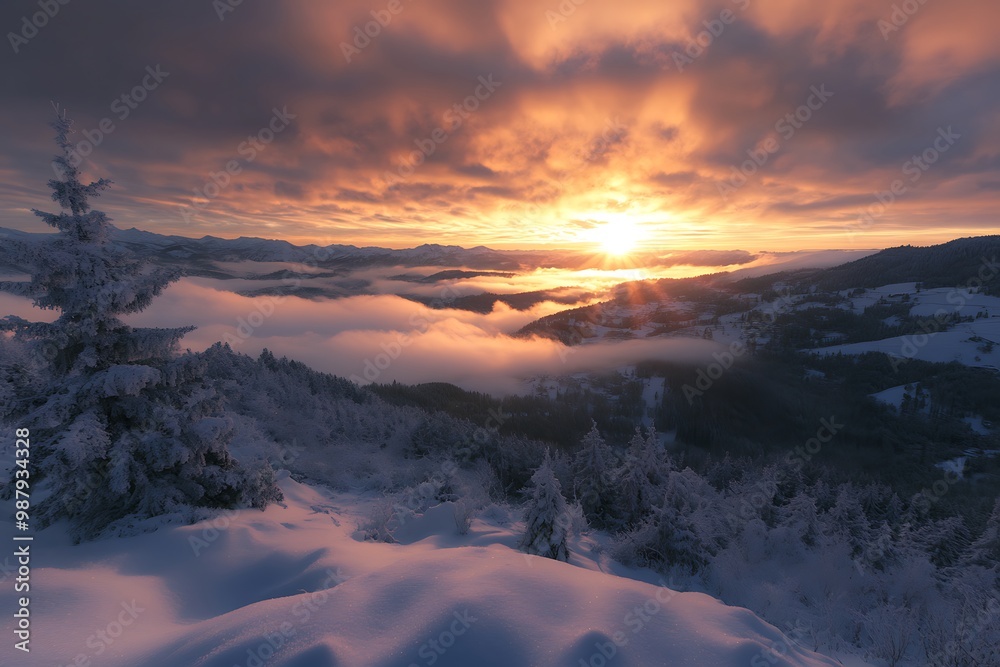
(292, 587)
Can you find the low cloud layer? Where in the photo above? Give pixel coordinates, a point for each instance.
(385, 338)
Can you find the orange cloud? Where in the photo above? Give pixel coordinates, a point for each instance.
(638, 109)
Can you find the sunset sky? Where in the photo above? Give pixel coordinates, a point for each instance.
(585, 123)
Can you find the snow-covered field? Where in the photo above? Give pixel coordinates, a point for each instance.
(975, 343)
(963, 343)
(928, 301)
(293, 586)
(892, 396)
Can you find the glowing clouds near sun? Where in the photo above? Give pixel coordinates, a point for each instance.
(594, 116)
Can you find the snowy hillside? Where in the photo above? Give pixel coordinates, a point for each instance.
(973, 343)
(293, 586)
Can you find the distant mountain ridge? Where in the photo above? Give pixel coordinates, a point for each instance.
(274, 250)
(198, 256)
(214, 249)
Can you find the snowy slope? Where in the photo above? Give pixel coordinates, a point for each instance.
(964, 344)
(292, 587)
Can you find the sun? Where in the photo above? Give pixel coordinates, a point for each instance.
(618, 237)
(618, 245)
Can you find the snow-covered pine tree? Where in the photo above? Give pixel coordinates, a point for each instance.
(636, 492)
(668, 537)
(985, 550)
(546, 519)
(847, 521)
(125, 430)
(657, 462)
(801, 518)
(592, 482)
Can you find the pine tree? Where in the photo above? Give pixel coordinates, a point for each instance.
(943, 540)
(801, 517)
(639, 480)
(846, 520)
(985, 550)
(656, 461)
(546, 520)
(669, 536)
(881, 551)
(592, 477)
(92, 282)
(633, 487)
(126, 429)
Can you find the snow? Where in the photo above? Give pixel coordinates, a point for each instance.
(964, 343)
(975, 422)
(892, 396)
(122, 380)
(291, 587)
(957, 464)
(927, 302)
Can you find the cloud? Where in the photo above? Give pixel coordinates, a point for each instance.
(382, 337)
(386, 338)
(708, 258)
(21, 307)
(593, 116)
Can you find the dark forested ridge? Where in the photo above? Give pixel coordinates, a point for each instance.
(951, 264)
